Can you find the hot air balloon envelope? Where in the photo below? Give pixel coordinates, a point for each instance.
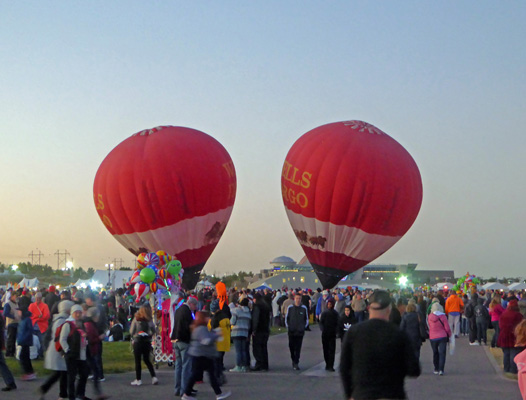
(167, 188)
(350, 192)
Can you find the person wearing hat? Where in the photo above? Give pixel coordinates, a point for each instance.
(51, 298)
(376, 356)
(73, 342)
(53, 359)
(11, 321)
(329, 328)
(439, 333)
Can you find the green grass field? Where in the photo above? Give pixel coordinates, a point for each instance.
(117, 357)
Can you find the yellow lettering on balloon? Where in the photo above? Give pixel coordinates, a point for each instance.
(107, 221)
(305, 179)
(100, 203)
(302, 200)
(290, 196)
(291, 174)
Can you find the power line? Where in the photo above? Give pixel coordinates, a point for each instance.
(62, 258)
(34, 255)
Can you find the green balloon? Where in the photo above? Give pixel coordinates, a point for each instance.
(174, 267)
(147, 275)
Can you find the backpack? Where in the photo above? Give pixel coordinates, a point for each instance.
(144, 329)
(468, 311)
(479, 313)
(72, 329)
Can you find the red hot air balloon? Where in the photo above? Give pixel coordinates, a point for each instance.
(167, 188)
(350, 193)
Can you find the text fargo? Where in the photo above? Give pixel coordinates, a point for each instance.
(294, 195)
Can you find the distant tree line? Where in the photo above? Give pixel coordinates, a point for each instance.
(44, 273)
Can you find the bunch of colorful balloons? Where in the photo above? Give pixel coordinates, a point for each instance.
(154, 273)
(467, 283)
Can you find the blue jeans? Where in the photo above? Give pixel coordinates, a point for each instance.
(496, 335)
(464, 325)
(360, 316)
(509, 355)
(240, 343)
(439, 353)
(183, 366)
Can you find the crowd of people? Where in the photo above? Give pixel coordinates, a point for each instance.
(68, 329)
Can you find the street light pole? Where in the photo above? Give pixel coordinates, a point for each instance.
(109, 266)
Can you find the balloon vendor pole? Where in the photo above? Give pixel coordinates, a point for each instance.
(157, 275)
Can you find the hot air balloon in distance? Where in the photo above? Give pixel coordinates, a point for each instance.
(350, 193)
(167, 188)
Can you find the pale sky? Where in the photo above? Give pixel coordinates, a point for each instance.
(446, 79)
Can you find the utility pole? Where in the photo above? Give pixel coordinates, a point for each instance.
(34, 255)
(117, 261)
(62, 258)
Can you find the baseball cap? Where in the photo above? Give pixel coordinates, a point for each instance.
(380, 300)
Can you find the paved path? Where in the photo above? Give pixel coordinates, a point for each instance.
(469, 375)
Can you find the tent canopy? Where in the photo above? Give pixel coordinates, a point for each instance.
(263, 286)
(494, 286)
(204, 283)
(30, 283)
(517, 286)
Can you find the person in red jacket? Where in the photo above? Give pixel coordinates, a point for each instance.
(509, 320)
(40, 316)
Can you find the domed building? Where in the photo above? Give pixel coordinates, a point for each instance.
(283, 261)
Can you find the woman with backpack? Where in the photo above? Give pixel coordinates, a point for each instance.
(54, 360)
(141, 331)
